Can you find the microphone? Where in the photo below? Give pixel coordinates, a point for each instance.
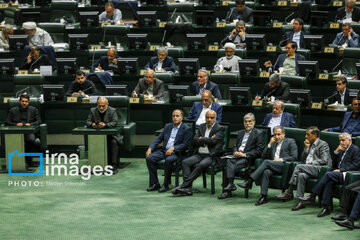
(337, 65)
(267, 95)
(24, 89)
(86, 89)
(230, 14)
(172, 15)
(326, 100)
(287, 17)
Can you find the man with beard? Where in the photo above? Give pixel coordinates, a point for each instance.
(81, 86)
(37, 36)
(229, 63)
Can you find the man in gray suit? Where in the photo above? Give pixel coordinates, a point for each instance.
(104, 116)
(150, 85)
(315, 155)
(240, 12)
(278, 151)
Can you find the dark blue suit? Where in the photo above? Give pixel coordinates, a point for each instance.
(197, 108)
(288, 36)
(287, 120)
(280, 61)
(104, 63)
(182, 140)
(337, 97)
(354, 130)
(212, 87)
(168, 63)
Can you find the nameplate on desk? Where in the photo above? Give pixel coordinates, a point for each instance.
(282, 3)
(221, 24)
(162, 24)
(328, 50)
(6, 99)
(334, 25)
(323, 76)
(257, 103)
(337, 3)
(271, 48)
(23, 72)
(294, 4)
(71, 99)
(171, 1)
(103, 24)
(277, 24)
(95, 47)
(154, 47)
(142, 71)
(213, 48)
(134, 100)
(316, 105)
(225, 3)
(85, 100)
(86, 70)
(4, 5)
(264, 74)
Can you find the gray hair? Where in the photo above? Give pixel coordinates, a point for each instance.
(240, 23)
(204, 71)
(345, 135)
(249, 115)
(279, 102)
(275, 77)
(279, 127)
(162, 49)
(7, 29)
(352, 2)
(114, 50)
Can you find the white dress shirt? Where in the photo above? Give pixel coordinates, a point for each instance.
(201, 118)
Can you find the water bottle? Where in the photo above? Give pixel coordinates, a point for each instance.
(270, 70)
(217, 20)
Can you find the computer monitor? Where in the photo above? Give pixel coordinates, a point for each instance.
(301, 96)
(323, 2)
(153, 2)
(319, 18)
(177, 92)
(196, 41)
(357, 70)
(18, 41)
(137, 41)
(265, 2)
(249, 67)
(147, 18)
(205, 18)
(308, 69)
(66, 65)
(89, 19)
(353, 94)
(127, 65)
(314, 42)
(262, 18)
(188, 65)
(240, 95)
(7, 66)
(210, 2)
(116, 90)
(53, 93)
(79, 41)
(255, 41)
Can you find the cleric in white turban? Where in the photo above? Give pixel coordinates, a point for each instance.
(37, 36)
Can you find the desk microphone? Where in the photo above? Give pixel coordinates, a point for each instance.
(24, 89)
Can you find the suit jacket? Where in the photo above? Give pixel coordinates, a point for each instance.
(282, 92)
(340, 40)
(104, 63)
(110, 119)
(43, 60)
(197, 107)
(280, 61)
(321, 155)
(158, 88)
(182, 139)
(212, 87)
(246, 15)
(14, 116)
(287, 120)
(168, 63)
(340, 14)
(254, 145)
(213, 144)
(355, 131)
(351, 160)
(337, 97)
(288, 36)
(288, 151)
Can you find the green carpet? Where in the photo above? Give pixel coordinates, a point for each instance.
(118, 207)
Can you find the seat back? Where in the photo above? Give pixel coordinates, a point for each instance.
(224, 81)
(332, 138)
(297, 82)
(298, 135)
(187, 102)
(14, 102)
(67, 9)
(30, 83)
(226, 127)
(56, 31)
(121, 103)
(292, 108)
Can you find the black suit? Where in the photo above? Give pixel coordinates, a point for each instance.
(202, 160)
(349, 195)
(288, 153)
(337, 97)
(282, 92)
(340, 14)
(288, 36)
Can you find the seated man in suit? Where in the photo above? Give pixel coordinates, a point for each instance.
(237, 35)
(176, 136)
(351, 121)
(229, 63)
(162, 61)
(4, 36)
(278, 117)
(346, 38)
(110, 14)
(37, 36)
(296, 35)
(209, 138)
(341, 95)
(25, 115)
(350, 203)
(249, 145)
(278, 151)
(315, 155)
(349, 13)
(347, 158)
(104, 116)
(203, 84)
(287, 63)
(81, 86)
(280, 90)
(35, 59)
(149, 86)
(108, 62)
(199, 109)
(240, 12)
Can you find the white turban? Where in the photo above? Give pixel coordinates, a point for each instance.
(230, 45)
(29, 25)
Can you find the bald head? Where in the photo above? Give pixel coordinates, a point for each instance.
(206, 98)
(102, 104)
(111, 54)
(210, 118)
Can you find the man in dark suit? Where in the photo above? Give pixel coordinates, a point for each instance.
(278, 117)
(347, 158)
(203, 84)
(108, 62)
(249, 145)
(351, 121)
(25, 115)
(287, 61)
(162, 61)
(104, 116)
(81, 86)
(199, 109)
(346, 38)
(149, 85)
(240, 12)
(278, 151)
(280, 90)
(208, 139)
(341, 95)
(237, 35)
(296, 35)
(176, 136)
(350, 11)
(315, 155)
